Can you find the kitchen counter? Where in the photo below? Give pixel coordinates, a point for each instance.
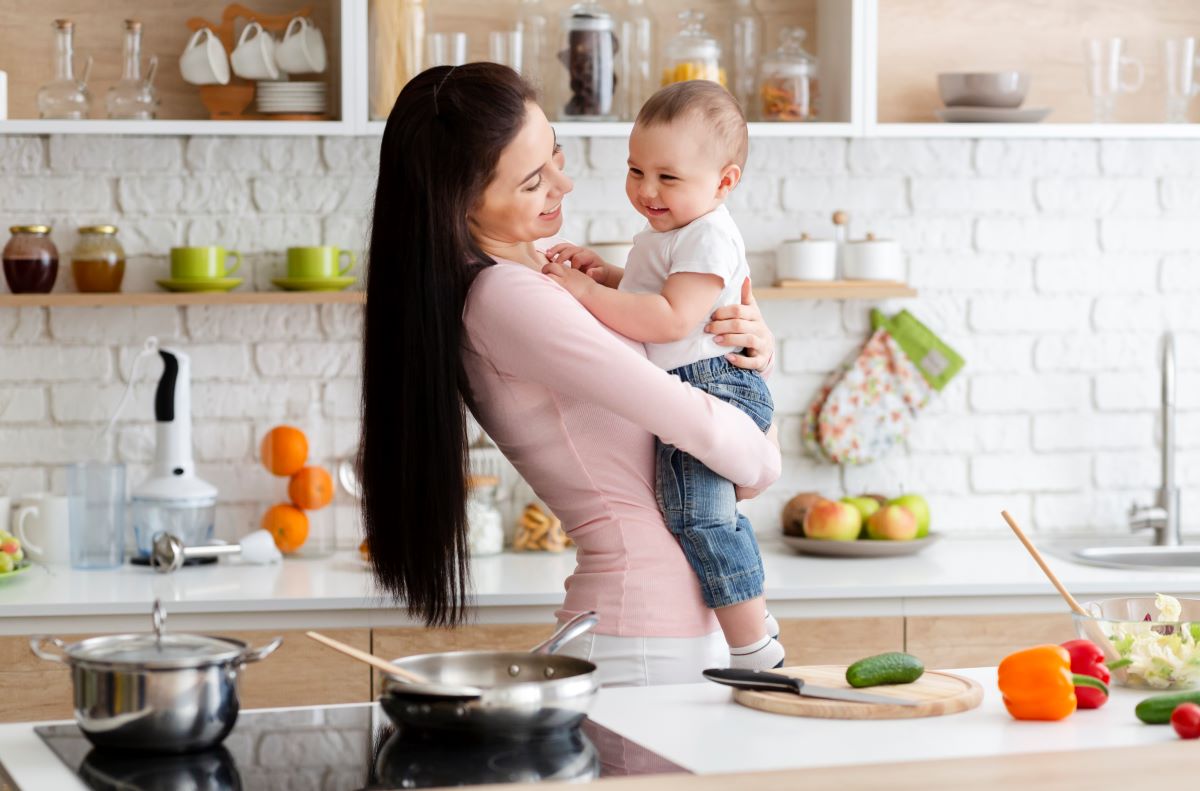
(699, 727)
(953, 577)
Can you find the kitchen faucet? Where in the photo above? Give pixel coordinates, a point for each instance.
(1163, 516)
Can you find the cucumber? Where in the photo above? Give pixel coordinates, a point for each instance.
(890, 668)
(1157, 710)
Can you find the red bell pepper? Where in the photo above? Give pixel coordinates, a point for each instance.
(1088, 660)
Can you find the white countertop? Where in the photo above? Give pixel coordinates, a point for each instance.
(699, 727)
(959, 576)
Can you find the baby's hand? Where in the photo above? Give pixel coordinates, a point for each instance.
(575, 282)
(581, 258)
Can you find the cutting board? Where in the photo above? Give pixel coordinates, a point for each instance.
(939, 693)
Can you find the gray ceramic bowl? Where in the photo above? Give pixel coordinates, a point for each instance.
(983, 89)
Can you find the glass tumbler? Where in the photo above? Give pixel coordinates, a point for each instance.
(96, 506)
(1179, 68)
(446, 49)
(504, 47)
(1105, 65)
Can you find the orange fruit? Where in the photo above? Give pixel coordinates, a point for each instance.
(288, 525)
(311, 488)
(284, 450)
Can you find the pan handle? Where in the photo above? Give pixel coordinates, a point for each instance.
(35, 645)
(258, 654)
(579, 625)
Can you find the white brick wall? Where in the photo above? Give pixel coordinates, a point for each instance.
(1052, 265)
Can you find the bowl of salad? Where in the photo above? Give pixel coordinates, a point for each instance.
(1152, 642)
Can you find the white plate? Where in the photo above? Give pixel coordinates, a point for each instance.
(992, 115)
(863, 548)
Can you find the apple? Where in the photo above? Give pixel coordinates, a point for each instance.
(6, 563)
(10, 545)
(866, 505)
(794, 511)
(892, 523)
(833, 521)
(919, 508)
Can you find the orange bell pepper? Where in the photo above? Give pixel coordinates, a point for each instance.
(1037, 683)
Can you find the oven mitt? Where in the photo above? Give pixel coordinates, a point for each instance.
(869, 404)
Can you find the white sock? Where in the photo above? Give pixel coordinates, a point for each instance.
(763, 654)
(772, 625)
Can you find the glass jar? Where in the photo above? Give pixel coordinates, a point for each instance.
(98, 260)
(397, 29)
(297, 497)
(693, 54)
(745, 53)
(638, 78)
(789, 80)
(65, 96)
(590, 60)
(485, 526)
(30, 260)
(134, 97)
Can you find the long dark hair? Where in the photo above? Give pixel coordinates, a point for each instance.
(440, 148)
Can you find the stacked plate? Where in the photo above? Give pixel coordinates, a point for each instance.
(986, 97)
(291, 97)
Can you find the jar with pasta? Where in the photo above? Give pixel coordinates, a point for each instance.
(693, 54)
(788, 87)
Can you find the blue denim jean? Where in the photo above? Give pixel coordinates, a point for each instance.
(700, 507)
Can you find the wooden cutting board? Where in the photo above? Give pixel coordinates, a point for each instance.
(939, 693)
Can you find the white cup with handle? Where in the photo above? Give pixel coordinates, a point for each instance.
(302, 50)
(204, 60)
(254, 56)
(42, 523)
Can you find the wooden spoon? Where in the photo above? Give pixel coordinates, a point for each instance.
(382, 665)
(1095, 634)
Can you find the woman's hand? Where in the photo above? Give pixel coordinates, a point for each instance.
(742, 326)
(746, 493)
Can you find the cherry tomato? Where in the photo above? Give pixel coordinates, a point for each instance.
(1186, 720)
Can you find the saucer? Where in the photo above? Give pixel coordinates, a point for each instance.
(314, 283)
(200, 283)
(992, 115)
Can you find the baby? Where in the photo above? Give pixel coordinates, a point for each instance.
(686, 154)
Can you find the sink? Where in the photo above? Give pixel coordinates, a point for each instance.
(1146, 557)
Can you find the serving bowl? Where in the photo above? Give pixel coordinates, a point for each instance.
(1162, 654)
(983, 88)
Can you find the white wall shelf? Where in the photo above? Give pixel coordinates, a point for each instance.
(1046, 131)
(109, 127)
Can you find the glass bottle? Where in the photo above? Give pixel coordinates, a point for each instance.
(789, 80)
(133, 97)
(398, 50)
(65, 96)
(98, 260)
(747, 49)
(693, 54)
(589, 57)
(30, 260)
(485, 526)
(638, 50)
(533, 21)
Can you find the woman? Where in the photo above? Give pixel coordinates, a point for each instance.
(459, 313)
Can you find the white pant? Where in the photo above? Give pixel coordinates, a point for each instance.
(645, 661)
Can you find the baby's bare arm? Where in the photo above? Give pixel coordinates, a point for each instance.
(684, 304)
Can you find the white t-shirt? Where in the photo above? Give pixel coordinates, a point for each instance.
(710, 244)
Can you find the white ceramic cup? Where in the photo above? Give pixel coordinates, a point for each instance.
(614, 253)
(254, 56)
(204, 60)
(302, 50)
(806, 259)
(873, 259)
(42, 523)
(5, 513)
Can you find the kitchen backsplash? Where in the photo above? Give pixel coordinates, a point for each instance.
(1052, 266)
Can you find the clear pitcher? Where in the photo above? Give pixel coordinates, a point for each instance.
(65, 97)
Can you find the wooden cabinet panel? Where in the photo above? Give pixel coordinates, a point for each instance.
(32, 688)
(828, 641)
(981, 640)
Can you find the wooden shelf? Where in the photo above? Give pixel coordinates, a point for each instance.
(837, 289)
(1081, 131)
(841, 289)
(152, 299)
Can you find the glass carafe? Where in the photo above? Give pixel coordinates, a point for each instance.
(693, 54)
(132, 96)
(789, 80)
(638, 76)
(747, 49)
(65, 96)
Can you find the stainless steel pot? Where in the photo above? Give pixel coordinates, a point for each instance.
(155, 692)
(507, 694)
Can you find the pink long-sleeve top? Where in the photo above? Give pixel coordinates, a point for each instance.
(575, 407)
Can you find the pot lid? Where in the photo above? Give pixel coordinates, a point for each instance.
(156, 650)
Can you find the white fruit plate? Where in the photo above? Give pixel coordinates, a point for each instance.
(863, 548)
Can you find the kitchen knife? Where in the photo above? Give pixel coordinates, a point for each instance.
(774, 682)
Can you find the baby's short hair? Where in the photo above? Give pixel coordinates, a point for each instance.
(708, 102)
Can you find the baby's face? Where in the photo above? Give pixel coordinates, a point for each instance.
(676, 173)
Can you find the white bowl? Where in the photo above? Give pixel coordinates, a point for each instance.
(983, 89)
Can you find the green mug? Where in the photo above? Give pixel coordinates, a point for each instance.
(317, 263)
(202, 263)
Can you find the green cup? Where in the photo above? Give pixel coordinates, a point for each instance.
(202, 263)
(318, 263)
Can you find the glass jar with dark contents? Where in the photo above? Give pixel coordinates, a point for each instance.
(590, 59)
(98, 260)
(30, 260)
